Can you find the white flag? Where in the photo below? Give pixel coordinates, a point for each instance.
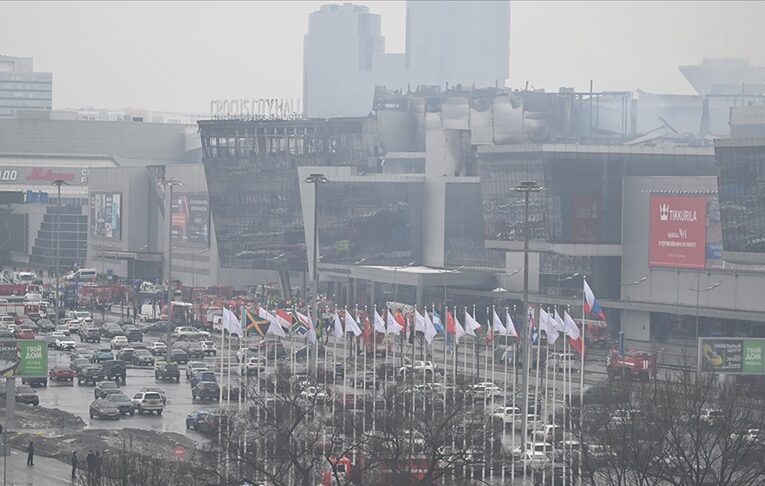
(350, 324)
(509, 325)
(497, 323)
(273, 324)
(231, 323)
(307, 322)
(471, 325)
(459, 331)
(560, 326)
(572, 330)
(546, 325)
(430, 329)
(392, 327)
(379, 323)
(338, 331)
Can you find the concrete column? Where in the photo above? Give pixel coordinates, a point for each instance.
(10, 404)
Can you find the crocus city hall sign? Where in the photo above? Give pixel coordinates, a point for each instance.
(256, 109)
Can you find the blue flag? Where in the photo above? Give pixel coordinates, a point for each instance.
(437, 322)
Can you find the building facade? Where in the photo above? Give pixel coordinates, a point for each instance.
(21, 88)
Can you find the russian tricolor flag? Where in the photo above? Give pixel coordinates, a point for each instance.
(591, 304)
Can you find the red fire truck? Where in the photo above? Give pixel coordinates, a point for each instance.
(344, 470)
(632, 364)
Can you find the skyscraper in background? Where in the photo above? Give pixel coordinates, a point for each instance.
(21, 88)
(454, 42)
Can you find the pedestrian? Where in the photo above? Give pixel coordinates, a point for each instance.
(89, 461)
(74, 464)
(30, 454)
(97, 466)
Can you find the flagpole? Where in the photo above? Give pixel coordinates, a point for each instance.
(554, 383)
(345, 372)
(546, 383)
(220, 392)
(374, 369)
(355, 351)
(581, 381)
(515, 408)
(493, 371)
(504, 394)
(454, 378)
(244, 391)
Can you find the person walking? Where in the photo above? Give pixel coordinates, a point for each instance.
(90, 461)
(97, 466)
(30, 454)
(74, 464)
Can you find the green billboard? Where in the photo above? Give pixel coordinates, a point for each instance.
(24, 358)
(743, 356)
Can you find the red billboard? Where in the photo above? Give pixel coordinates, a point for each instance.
(678, 231)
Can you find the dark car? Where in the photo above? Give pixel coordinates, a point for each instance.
(202, 421)
(168, 371)
(111, 330)
(142, 357)
(195, 350)
(46, 325)
(90, 374)
(122, 402)
(79, 363)
(159, 326)
(35, 381)
(115, 368)
(206, 390)
(104, 388)
(232, 392)
(25, 394)
(90, 335)
(134, 335)
(104, 409)
(178, 355)
(202, 376)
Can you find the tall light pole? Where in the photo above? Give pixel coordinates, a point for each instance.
(169, 183)
(58, 183)
(698, 291)
(526, 188)
(316, 180)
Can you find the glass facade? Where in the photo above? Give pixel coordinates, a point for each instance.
(370, 223)
(71, 235)
(252, 179)
(741, 186)
(25, 91)
(464, 231)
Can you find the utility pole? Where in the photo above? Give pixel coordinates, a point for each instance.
(168, 183)
(526, 188)
(58, 183)
(316, 180)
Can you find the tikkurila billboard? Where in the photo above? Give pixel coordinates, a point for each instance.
(678, 231)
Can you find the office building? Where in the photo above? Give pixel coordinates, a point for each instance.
(21, 88)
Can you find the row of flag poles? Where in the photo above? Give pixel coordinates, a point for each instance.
(393, 326)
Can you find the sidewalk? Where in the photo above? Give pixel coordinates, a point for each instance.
(45, 472)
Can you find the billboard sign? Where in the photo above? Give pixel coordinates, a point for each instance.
(191, 219)
(677, 231)
(106, 215)
(24, 358)
(744, 356)
(42, 175)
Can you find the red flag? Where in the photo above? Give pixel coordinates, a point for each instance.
(489, 336)
(284, 318)
(367, 331)
(450, 329)
(400, 320)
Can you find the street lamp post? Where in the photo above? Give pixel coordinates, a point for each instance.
(58, 183)
(526, 188)
(316, 180)
(698, 291)
(169, 183)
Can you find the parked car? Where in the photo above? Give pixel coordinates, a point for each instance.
(508, 415)
(206, 390)
(90, 335)
(65, 343)
(142, 357)
(195, 351)
(61, 373)
(7, 333)
(78, 363)
(104, 409)
(156, 389)
(178, 355)
(104, 388)
(111, 330)
(74, 325)
(35, 381)
(148, 402)
(126, 354)
(158, 347)
(122, 402)
(90, 374)
(134, 335)
(167, 371)
(156, 327)
(194, 366)
(188, 332)
(25, 333)
(203, 421)
(115, 368)
(26, 394)
(63, 328)
(102, 355)
(253, 365)
(46, 325)
(119, 342)
(202, 376)
(209, 347)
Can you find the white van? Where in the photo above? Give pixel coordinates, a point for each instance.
(83, 274)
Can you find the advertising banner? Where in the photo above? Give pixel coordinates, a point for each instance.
(42, 175)
(191, 219)
(732, 355)
(24, 358)
(677, 228)
(106, 215)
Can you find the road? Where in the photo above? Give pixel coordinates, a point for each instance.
(45, 472)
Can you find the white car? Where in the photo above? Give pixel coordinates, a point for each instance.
(508, 415)
(314, 393)
(210, 348)
(535, 459)
(564, 362)
(194, 366)
(74, 325)
(148, 402)
(417, 367)
(253, 365)
(119, 342)
(65, 342)
(484, 391)
(535, 447)
(188, 332)
(158, 347)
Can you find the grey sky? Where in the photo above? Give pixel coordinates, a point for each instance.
(176, 56)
